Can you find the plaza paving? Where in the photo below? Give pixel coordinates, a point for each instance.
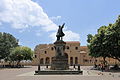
(28, 74)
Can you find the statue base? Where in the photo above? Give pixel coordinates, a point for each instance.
(59, 63)
(59, 72)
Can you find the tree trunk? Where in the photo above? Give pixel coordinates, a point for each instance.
(18, 63)
(104, 61)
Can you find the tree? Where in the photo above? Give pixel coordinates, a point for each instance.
(90, 36)
(21, 53)
(97, 44)
(7, 41)
(106, 43)
(113, 39)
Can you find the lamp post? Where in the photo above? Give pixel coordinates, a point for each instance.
(39, 63)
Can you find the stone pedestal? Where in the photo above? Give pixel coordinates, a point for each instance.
(59, 61)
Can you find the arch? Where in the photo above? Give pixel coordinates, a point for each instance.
(76, 48)
(52, 48)
(41, 61)
(35, 56)
(76, 60)
(45, 52)
(71, 60)
(47, 60)
(67, 47)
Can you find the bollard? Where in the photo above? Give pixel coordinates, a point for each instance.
(46, 66)
(74, 66)
(78, 67)
(38, 67)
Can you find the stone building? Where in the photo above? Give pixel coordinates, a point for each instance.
(75, 53)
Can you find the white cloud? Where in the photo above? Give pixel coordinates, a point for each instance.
(38, 34)
(21, 31)
(69, 36)
(23, 14)
(0, 23)
(24, 30)
(20, 43)
(55, 18)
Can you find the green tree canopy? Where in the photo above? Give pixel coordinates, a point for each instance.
(106, 43)
(97, 45)
(21, 53)
(113, 39)
(7, 41)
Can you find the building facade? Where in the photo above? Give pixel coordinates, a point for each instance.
(75, 53)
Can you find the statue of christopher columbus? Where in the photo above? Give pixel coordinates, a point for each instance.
(60, 33)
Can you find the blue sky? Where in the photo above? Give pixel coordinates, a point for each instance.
(35, 22)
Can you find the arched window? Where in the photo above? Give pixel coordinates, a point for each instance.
(45, 52)
(76, 48)
(41, 61)
(67, 47)
(76, 60)
(71, 60)
(52, 48)
(47, 60)
(35, 56)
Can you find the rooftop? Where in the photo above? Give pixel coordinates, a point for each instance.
(72, 41)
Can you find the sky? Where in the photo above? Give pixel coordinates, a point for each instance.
(36, 22)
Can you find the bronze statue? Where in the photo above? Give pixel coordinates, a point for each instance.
(60, 33)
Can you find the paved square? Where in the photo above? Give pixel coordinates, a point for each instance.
(28, 74)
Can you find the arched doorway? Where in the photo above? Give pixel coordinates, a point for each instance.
(47, 61)
(76, 60)
(71, 61)
(41, 61)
